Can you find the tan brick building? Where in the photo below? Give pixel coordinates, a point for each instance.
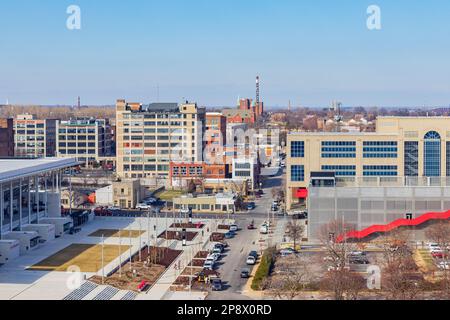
(6, 138)
(149, 137)
(411, 147)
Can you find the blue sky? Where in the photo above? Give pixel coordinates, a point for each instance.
(209, 51)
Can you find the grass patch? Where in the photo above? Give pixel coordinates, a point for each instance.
(264, 269)
(169, 195)
(85, 256)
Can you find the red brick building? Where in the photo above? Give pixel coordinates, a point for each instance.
(215, 138)
(183, 172)
(239, 116)
(6, 138)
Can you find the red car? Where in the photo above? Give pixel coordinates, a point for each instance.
(142, 286)
(251, 227)
(439, 255)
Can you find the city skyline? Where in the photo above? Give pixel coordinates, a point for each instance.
(163, 51)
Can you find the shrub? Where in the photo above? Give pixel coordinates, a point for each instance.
(264, 269)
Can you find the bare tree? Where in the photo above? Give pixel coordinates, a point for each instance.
(295, 232)
(400, 279)
(293, 279)
(337, 250)
(440, 234)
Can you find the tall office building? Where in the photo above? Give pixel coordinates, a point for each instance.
(215, 138)
(414, 149)
(6, 138)
(34, 138)
(149, 137)
(86, 139)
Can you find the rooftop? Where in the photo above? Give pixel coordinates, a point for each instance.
(162, 107)
(11, 169)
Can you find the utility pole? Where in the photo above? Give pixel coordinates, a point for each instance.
(131, 262)
(103, 259)
(148, 233)
(120, 254)
(140, 241)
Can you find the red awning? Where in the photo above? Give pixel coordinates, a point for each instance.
(301, 193)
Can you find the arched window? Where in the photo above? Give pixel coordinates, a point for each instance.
(432, 154)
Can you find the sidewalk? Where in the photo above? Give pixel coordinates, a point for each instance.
(161, 289)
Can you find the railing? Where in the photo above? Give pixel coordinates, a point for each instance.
(394, 225)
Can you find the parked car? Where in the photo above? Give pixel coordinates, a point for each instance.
(444, 265)
(251, 226)
(439, 254)
(251, 260)
(253, 254)
(287, 252)
(274, 207)
(234, 228)
(264, 229)
(209, 265)
(245, 273)
(143, 206)
(143, 286)
(216, 284)
(213, 256)
(220, 246)
(251, 206)
(229, 235)
(357, 254)
(217, 250)
(114, 208)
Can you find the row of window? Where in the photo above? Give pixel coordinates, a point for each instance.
(75, 131)
(338, 155)
(380, 143)
(77, 151)
(29, 132)
(183, 170)
(158, 123)
(341, 171)
(73, 138)
(147, 167)
(74, 144)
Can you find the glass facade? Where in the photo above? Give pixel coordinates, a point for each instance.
(411, 159)
(448, 159)
(380, 171)
(341, 171)
(338, 149)
(380, 149)
(432, 154)
(297, 149)
(297, 173)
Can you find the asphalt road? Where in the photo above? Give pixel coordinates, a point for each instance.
(244, 242)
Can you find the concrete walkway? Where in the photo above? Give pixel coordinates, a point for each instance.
(161, 289)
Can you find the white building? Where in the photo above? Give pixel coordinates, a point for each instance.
(246, 168)
(30, 203)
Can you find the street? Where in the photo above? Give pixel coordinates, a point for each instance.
(234, 260)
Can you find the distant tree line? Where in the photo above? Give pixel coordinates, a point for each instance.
(58, 112)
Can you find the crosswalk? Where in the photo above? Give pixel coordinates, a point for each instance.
(82, 291)
(106, 294)
(92, 291)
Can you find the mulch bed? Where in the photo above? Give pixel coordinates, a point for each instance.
(217, 236)
(197, 262)
(201, 255)
(187, 225)
(163, 256)
(174, 235)
(223, 227)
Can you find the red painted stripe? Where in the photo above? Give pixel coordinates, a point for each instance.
(394, 225)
